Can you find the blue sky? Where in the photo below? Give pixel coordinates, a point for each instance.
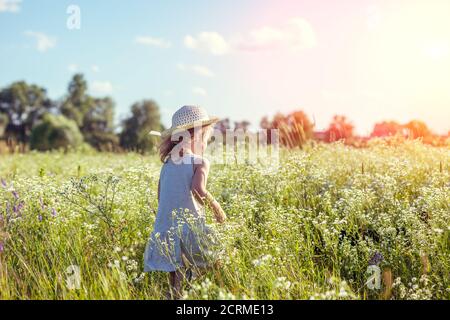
(238, 59)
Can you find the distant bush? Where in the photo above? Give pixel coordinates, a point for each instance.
(103, 141)
(55, 132)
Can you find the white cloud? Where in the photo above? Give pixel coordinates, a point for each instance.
(72, 68)
(199, 91)
(197, 69)
(210, 42)
(295, 34)
(75, 68)
(10, 5)
(154, 42)
(436, 49)
(102, 87)
(43, 41)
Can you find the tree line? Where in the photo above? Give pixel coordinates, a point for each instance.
(30, 119)
(296, 129)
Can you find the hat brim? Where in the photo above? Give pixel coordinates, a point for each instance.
(200, 123)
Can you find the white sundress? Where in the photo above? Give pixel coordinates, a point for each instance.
(180, 228)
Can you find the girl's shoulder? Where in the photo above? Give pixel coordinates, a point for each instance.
(189, 159)
(199, 160)
(192, 158)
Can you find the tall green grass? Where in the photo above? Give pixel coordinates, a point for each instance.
(307, 229)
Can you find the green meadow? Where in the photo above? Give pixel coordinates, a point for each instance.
(327, 223)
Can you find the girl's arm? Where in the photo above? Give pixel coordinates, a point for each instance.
(201, 194)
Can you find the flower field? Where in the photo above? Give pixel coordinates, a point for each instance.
(333, 222)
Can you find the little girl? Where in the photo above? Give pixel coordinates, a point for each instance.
(181, 240)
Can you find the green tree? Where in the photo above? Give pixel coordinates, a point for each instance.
(144, 117)
(98, 125)
(3, 123)
(99, 116)
(77, 102)
(55, 132)
(22, 105)
(94, 116)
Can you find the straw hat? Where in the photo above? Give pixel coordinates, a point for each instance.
(187, 117)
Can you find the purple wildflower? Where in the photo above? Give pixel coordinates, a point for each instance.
(40, 218)
(18, 208)
(376, 259)
(15, 194)
(1, 247)
(54, 213)
(4, 185)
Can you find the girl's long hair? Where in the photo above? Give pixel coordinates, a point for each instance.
(166, 146)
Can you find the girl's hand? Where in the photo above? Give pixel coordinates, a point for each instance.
(219, 214)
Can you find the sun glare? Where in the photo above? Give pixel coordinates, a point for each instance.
(437, 50)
